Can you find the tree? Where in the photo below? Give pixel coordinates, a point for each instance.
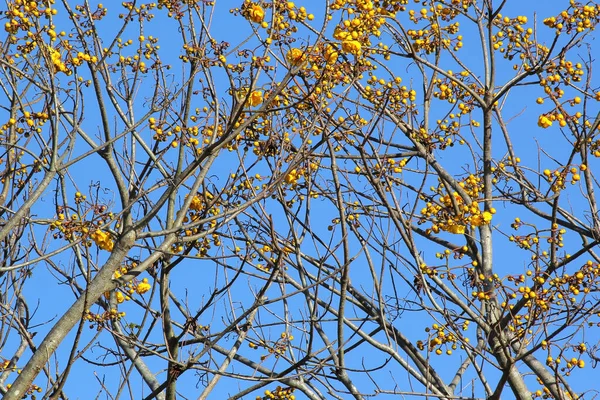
(333, 199)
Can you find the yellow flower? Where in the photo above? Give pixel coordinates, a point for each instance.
(256, 98)
(544, 122)
(487, 217)
(197, 204)
(143, 286)
(255, 13)
(120, 297)
(295, 56)
(330, 55)
(351, 46)
(453, 227)
(481, 219)
(292, 177)
(55, 57)
(102, 239)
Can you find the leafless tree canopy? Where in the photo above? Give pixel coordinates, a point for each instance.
(323, 200)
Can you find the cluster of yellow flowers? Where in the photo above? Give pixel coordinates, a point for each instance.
(197, 203)
(279, 393)
(447, 220)
(542, 293)
(253, 12)
(292, 177)
(554, 78)
(559, 177)
(351, 46)
(432, 34)
(81, 57)
(30, 391)
(390, 166)
(284, 13)
(439, 337)
(544, 121)
(55, 57)
(313, 57)
(29, 122)
(202, 205)
(143, 286)
(295, 56)
(330, 54)
(585, 280)
(23, 13)
(252, 99)
(6, 366)
(451, 214)
(579, 18)
(102, 239)
(129, 288)
(513, 38)
(364, 20)
(99, 319)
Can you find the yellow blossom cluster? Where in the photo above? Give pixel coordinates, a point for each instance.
(253, 11)
(292, 177)
(594, 146)
(77, 228)
(583, 281)
(512, 38)
(197, 204)
(351, 46)
(34, 19)
(330, 54)
(543, 293)
(30, 391)
(399, 97)
(210, 130)
(571, 363)
(102, 239)
(295, 56)
(432, 34)
(297, 13)
(27, 123)
(578, 17)
(22, 14)
(202, 205)
(429, 40)
(441, 337)
(284, 16)
(531, 241)
(280, 393)
(250, 98)
(82, 57)
(200, 200)
(55, 57)
(554, 78)
(559, 177)
(7, 365)
(364, 20)
(143, 286)
(451, 91)
(390, 166)
(452, 215)
(545, 121)
(276, 348)
(131, 287)
(101, 318)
